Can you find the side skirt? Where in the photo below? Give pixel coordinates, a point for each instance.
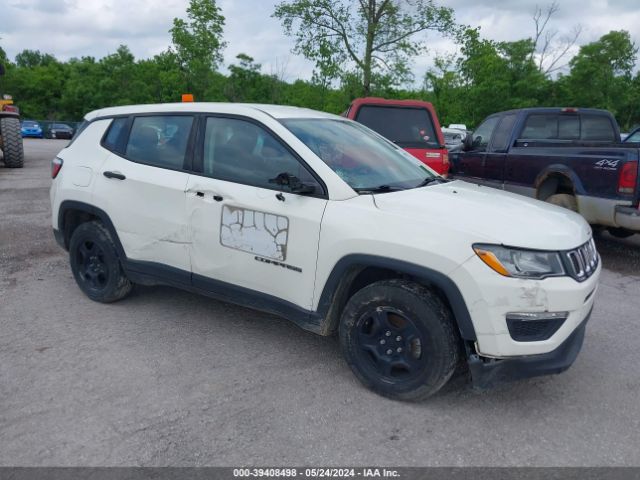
(149, 273)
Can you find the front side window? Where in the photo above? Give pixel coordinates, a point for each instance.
(242, 152)
(160, 140)
(407, 127)
(482, 135)
(360, 157)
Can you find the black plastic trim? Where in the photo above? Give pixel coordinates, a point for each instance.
(441, 281)
(486, 373)
(154, 273)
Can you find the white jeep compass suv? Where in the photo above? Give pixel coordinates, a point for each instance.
(317, 218)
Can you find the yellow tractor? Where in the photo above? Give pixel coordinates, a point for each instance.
(10, 134)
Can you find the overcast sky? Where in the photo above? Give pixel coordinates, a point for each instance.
(75, 28)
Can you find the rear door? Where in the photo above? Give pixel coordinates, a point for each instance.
(141, 187)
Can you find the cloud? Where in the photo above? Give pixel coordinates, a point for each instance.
(75, 28)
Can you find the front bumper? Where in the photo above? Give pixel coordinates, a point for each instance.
(628, 217)
(32, 134)
(490, 298)
(486, 372)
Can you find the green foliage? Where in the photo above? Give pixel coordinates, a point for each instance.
(602, 76)
(379, 38)
(198, 44)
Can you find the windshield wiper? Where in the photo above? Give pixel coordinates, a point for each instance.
(430, 180)
(378, 189)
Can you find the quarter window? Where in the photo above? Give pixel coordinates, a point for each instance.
(243, 152)
(160, 141)
(115, 132)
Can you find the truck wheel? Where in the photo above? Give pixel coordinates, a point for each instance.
(399, 339)
(95, 264)
(564, 200)
(11, 142)
(620, 232)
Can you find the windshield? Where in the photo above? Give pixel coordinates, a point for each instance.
(408, 127)
(28, 123)
(359, 156)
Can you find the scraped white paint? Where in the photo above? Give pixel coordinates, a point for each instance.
(251, 231)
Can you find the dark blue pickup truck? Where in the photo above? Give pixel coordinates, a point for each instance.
(567, 156)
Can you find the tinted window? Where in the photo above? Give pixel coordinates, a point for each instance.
(568, 127)
(243, 152)
(482, 135)
(406, 127)
(359, 156)
(160, 141)
(596, 127)
(503, 133)
(114, 134)
(541, 127)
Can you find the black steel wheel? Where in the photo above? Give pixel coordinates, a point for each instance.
(95, 264)
(399, 339)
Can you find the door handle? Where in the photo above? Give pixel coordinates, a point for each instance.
(218, 198)
(116, 175)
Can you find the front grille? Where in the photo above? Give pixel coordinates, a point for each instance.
(582, 262)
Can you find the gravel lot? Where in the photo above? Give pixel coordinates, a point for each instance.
(170, 378)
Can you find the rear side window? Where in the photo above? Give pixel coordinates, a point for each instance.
(114, 134)
(160, 140)
(407, 127)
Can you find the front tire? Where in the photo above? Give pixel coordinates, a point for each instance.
(399, 339)
(12, 148)
(95, 264)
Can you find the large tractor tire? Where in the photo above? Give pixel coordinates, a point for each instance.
(13, 153)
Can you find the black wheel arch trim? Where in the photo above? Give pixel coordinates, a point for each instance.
(69, 205)
(340, 278)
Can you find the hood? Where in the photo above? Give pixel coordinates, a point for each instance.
(489, 215)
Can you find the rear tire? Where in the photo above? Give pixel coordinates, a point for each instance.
(564, 200)
(95, 264)
(399, 339)
(11, 142)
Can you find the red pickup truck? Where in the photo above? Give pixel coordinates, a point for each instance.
(411, 124)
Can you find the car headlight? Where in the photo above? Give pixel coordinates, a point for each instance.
(520, 263)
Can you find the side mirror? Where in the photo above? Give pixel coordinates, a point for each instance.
(467, 143)
(295, 185)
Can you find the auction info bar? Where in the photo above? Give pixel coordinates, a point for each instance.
(418, 473)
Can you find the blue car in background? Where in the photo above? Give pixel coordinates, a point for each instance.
(31, 129)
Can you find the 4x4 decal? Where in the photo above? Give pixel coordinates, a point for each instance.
(256, 232)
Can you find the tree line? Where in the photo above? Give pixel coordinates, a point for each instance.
(358, 47)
